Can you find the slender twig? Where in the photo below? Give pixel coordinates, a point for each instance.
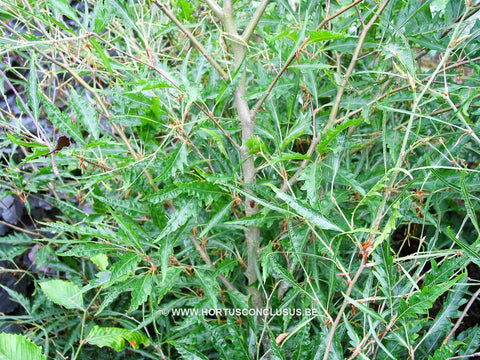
(403, 87)
(89, 88)
(460, 319)
(338, 98)
(260, 102)
(343, 307)
(40, 131)
(379, 214)
(22, 229)
(206, 259)
(464, 356)
(174, 84)
(193, 39)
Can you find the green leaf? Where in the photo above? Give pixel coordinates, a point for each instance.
(125, 266)
(115, 338)
(89, 250)
(311, 177)
(297, 130)
(175, 163)
(115, 5)
(305, 211)
(256, 145)
(467, 248)
(86, 114)
(63, 6)
(446, 351)
(98, 231)
(285, 275)
(171, 279)
(443, 320)
(33, 98)
(210, 287)
(216, 219)
(63, 293)
(101, 260)
(422, 301)
(331, 134)
(179, 218)
(365, 309)
(62, 121)
(189, 352)
(142, 288)
(218, 140)
(324, 35)
(17, 140)
(402, 53)
(17, 297)
(19, 347)
(186, 10)
(389, 226)
(101, 53)
(468, 204)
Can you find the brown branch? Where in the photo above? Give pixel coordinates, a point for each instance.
(260, 102)
(336, 104)
(206, 259)
(193, 39)
(460, 319)
(173, 83)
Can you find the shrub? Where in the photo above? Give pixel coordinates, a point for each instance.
(318, 162)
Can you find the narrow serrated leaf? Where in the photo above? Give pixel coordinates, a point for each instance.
(89, 250)
(125, 266)
(101, 53)
(305, 211)
(467, 248)
(178, 218)
(86, 114)
(189, 353)
(468, 204)
(210, 287)
(174, 163)
(324, 35)
(285, 275)
(142, 288)
(65, 9)
(171, 279)
(216, 219)
(218, 140)
(62, 121)
(33, 98)
(365, 309)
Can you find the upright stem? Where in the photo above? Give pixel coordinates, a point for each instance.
(247, 121)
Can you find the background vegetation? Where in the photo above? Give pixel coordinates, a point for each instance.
(283, 155)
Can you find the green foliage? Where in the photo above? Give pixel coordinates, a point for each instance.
(115, 338)
(330, 177)
(63, 293)
(16, 347)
